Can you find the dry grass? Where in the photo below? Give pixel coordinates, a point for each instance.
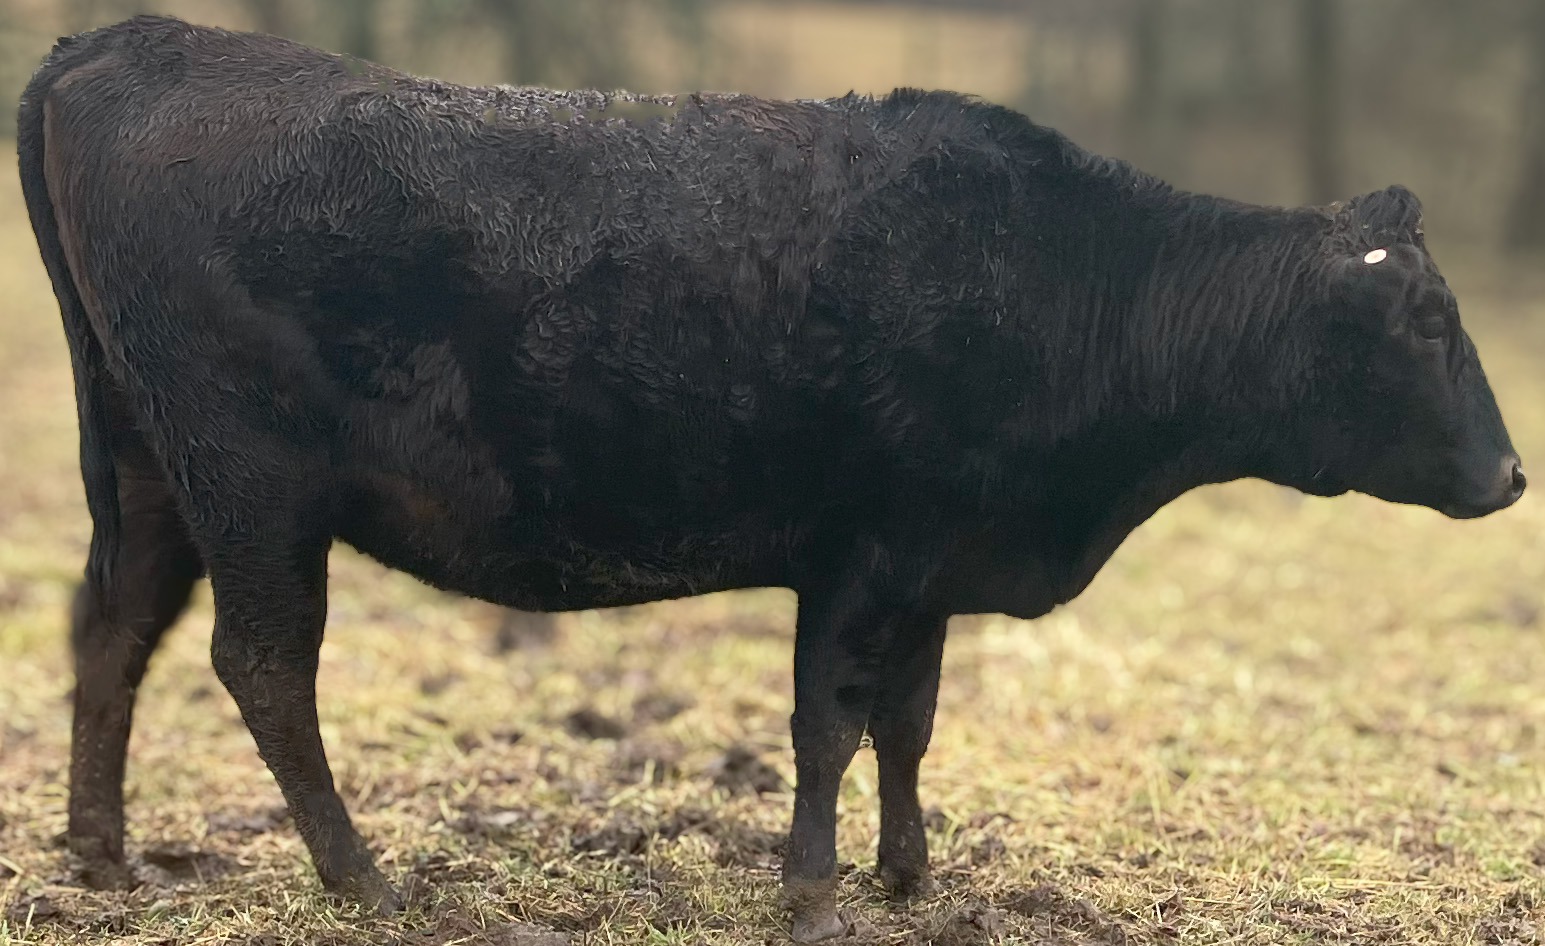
(1271, 720)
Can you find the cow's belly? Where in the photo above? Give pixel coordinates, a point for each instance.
(583, 493)
(538, 578)
(479, 537)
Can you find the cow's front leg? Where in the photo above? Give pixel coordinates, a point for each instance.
(839, 654)
(270, 604)
(901, 725)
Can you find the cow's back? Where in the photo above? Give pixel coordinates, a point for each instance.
(521, 348)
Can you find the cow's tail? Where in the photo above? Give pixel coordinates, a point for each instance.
(86, 354)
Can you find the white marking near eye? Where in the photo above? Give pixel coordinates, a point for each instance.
(1376, 256)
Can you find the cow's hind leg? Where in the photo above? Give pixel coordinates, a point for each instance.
(114, 631)
(270, 605)
(839, 654)
(901, 725)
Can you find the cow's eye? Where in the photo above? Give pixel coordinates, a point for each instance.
(1432, 326)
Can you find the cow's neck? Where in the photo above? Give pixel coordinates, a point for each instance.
(1210, 357)
(1213, 320)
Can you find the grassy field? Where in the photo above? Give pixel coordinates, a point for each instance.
(1271, 720)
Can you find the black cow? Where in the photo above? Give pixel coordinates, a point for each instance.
(911, 357)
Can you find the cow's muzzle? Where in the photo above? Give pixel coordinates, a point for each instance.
(1504, 492)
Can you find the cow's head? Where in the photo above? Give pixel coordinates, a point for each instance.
(1404, 410)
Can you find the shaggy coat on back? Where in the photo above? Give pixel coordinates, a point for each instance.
(910, 356)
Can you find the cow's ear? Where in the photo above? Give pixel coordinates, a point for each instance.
(1368, 286)
(1381, 218)
(1375, 251)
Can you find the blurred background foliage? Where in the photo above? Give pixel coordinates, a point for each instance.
(1278, 102)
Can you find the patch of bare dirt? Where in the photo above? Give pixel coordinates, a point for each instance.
(499, 822)
(251, 821)
(1053, 913)
(588, 723)
(1517, 921)
(37, 909)
(988, 850)
(176, 866)
(1330, 921)
(524, 630)
(742, 771)
(439, 868)
(657, 759)
(621, 835)
(660, 707)
(735, 843)
(976, 924)
(435, 684)
(1521, 610)
(452, 926)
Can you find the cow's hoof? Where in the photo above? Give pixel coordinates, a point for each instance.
(349, 871)
(388, 902)
(907, 884)
(388, 905)
(107, 875)
(370, 890)
(813, 905)
(381, 897)
(101, 864)
(813, 929)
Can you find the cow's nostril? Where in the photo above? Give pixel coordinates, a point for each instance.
(1519, 480)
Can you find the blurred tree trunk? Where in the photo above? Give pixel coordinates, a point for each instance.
(1034, 97)
(691, 18)
(83, 15)
(524, 63)
(1244, 64)
(592, 35)
(357, 34)
(1525, 227)
(920, 54)
(1320, 64)
(1148, 137)
(269, 16)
